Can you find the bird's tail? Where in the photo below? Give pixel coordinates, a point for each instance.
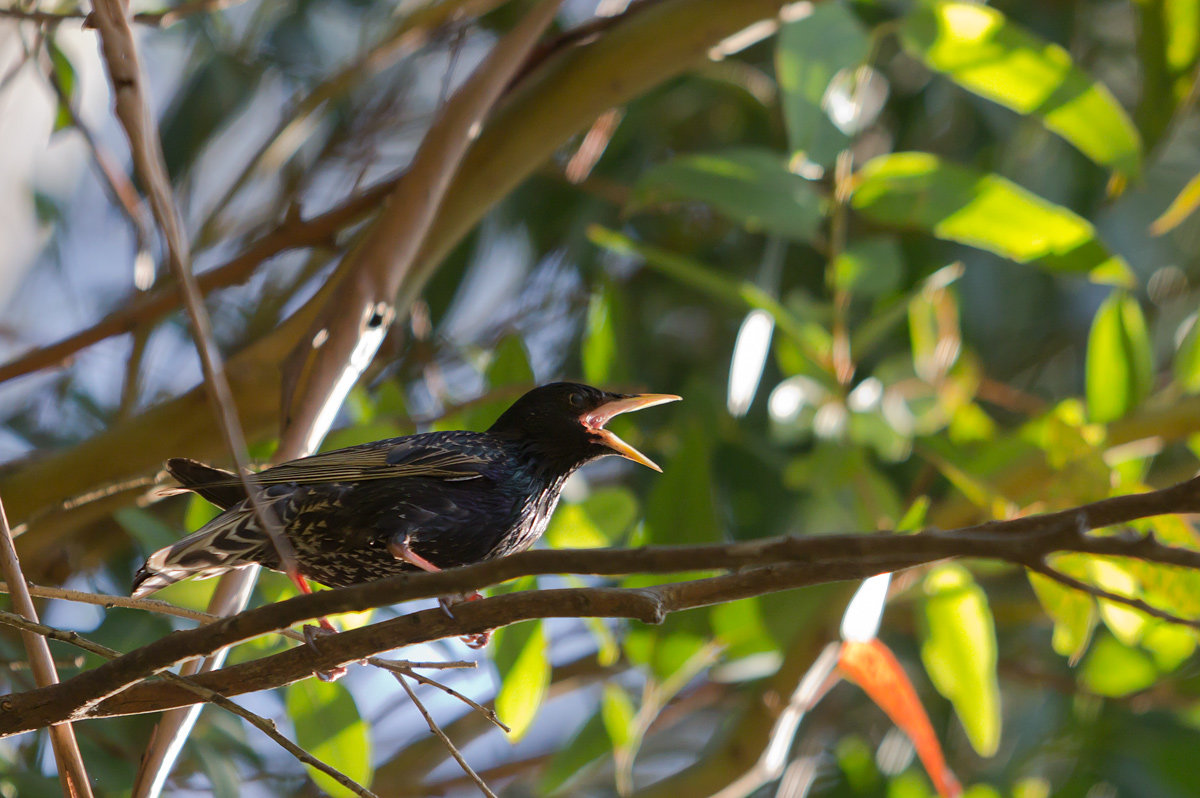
(221, 487)
(231, 540)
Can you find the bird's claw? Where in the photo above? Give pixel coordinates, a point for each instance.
(479, 640)
(312, 634)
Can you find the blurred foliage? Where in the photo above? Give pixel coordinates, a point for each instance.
(941, 217)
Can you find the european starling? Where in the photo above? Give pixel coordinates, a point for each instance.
(428, 501)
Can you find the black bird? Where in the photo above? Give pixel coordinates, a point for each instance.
(429, 501)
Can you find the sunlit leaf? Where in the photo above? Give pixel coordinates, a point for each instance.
(753, 187)
(1183, 34)
(616, 710)
(599, 347)
(1126, 623)
(750, 349)
(959, 652)
(977, 47)
(920, 191)
(1113, 669)
(1073, 612)
(1183, 206)
(1187, 359)
(522, 659)
(570, 528)
(329, 726)
(1169, 644)
(810, 52)
(1120, 360)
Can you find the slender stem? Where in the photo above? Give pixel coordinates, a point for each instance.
(71, 770)
(436, 729)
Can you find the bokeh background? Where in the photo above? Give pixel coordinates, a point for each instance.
(910, 264)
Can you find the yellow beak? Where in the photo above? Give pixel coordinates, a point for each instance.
(595, 420)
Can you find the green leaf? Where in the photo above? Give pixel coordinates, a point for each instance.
(752, 187)
(1120, 361)
(599, 346)
(811, 50)
(979, 49)
(869, 267)
(681, 507)
(509, 363)
(919, 191)
(329, 726)
(1074, 613)
(589, 744)
(570, 528)
(739, 627)
(810, 338)
(1116, 670)
(521, 658)
(199, 512)
(1187, 360)
(1183, 34)
(616, 710)
(64, 74)
(959, 652)
(1183, 206)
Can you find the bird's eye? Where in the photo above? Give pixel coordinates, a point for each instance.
(576, 399)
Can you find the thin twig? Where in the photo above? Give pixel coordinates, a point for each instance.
(71, 770)
(406, 669)
(436, 729)
(133, 111)
(263, 724)
(1098, 592)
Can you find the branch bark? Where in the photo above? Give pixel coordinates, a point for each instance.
(767, 566)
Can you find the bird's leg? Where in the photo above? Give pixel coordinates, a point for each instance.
(401, 550)
(313, 633)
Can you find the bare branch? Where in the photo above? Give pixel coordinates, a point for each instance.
(770, 565)
(402, 668)
(436, 729)
(71, 770)
(263, 724)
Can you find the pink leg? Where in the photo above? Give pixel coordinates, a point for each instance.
(312, 633)
(402, 551)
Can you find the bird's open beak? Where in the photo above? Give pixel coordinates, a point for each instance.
(595, 420)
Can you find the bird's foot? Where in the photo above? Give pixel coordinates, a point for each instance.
(479, 640)
(312, 634)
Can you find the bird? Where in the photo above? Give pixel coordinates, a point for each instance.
(422, 502)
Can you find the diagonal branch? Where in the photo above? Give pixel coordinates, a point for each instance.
(266, 726)
(753, 568)
(71, 770)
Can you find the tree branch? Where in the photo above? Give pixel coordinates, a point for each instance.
(768, 566)
(71, 770)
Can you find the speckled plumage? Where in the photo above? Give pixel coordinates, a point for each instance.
(452, 497)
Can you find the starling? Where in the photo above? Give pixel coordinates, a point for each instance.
(419, 502)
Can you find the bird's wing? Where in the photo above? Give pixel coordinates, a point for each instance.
(415, 456)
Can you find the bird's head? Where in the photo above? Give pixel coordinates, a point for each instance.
(564, 423)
